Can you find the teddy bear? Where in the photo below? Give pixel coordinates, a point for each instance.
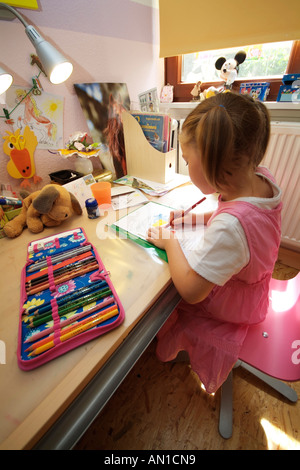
(48, 207)
(229, 68)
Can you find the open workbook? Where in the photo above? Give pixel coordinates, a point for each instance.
(135, 225)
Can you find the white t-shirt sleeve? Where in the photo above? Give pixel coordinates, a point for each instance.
(221, 252)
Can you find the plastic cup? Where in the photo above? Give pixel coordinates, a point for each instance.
(102, 193)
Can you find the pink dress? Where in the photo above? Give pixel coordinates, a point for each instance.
(213, 331)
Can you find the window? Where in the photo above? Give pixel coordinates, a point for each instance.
(264, 62)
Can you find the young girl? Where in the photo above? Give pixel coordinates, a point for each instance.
(224, 284)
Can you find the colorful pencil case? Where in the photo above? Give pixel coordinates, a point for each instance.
(67, 298)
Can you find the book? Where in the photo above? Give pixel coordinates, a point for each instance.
(156, 128)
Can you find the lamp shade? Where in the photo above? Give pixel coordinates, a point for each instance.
(56, 66)
(5, 80)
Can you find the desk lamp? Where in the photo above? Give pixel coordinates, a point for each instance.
(56, 67)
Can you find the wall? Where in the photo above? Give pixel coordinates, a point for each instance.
(106, 40)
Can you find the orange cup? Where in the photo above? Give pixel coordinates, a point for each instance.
(102, 193)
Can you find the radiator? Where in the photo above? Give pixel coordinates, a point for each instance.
(283, 160)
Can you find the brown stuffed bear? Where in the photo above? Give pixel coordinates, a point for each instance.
(48, 207)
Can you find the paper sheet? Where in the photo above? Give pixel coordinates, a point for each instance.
(128, 200)
(140, 220)
(81, 188)
(151, 187)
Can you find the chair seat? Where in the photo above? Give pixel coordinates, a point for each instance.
(273, 346)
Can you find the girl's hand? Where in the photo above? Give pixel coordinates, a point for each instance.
(160, 236)
(178, 220)
(191, 286)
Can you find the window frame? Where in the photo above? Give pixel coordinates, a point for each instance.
(182, 91)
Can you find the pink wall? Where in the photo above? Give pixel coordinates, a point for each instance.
(108, 41)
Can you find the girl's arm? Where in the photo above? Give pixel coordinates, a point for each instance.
(191, 286)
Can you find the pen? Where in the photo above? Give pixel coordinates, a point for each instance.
(188, 210)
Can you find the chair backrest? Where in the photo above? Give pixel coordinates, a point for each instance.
(273, 346)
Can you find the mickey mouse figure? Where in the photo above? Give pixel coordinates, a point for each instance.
(229, 68)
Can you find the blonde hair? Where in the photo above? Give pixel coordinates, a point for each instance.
(230, 132)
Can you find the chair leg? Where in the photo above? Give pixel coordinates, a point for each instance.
(276, 384)
(225, 419)
(226, 404)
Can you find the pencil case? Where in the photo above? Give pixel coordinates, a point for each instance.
(67, 298)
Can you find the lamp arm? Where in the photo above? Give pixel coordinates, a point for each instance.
(12, 10)
(31, 32)
(55, 65)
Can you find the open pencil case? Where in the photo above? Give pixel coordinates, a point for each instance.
(67, 298)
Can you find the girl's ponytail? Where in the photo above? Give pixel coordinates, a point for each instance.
(215, 138)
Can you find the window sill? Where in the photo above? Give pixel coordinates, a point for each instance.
(279, 111)
(193, 104)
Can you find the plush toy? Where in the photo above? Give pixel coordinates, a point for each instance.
(229, 68)
(48, 207)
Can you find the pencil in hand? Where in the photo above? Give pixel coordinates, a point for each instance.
(187, 211)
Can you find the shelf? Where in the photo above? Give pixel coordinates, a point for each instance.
(279, 111)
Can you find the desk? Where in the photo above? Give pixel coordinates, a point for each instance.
(59, 400)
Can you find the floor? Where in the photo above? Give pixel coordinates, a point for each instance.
(161, 406)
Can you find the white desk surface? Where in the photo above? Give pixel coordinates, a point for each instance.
(31, 401)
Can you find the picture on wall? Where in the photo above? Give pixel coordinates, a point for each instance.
(102, 105)
(42, 112)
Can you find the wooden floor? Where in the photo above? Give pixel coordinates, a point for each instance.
(161, 406)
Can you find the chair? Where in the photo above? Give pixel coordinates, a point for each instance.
(271, 350)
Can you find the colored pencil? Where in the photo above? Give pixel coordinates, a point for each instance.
(58, 275)
(72, 304)
(30, 280)
(36, 310)
(44, 318)
(73, 317)
(76, 331)
(62, 279)
(59, 257)
(68, 328)
(188, 210)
